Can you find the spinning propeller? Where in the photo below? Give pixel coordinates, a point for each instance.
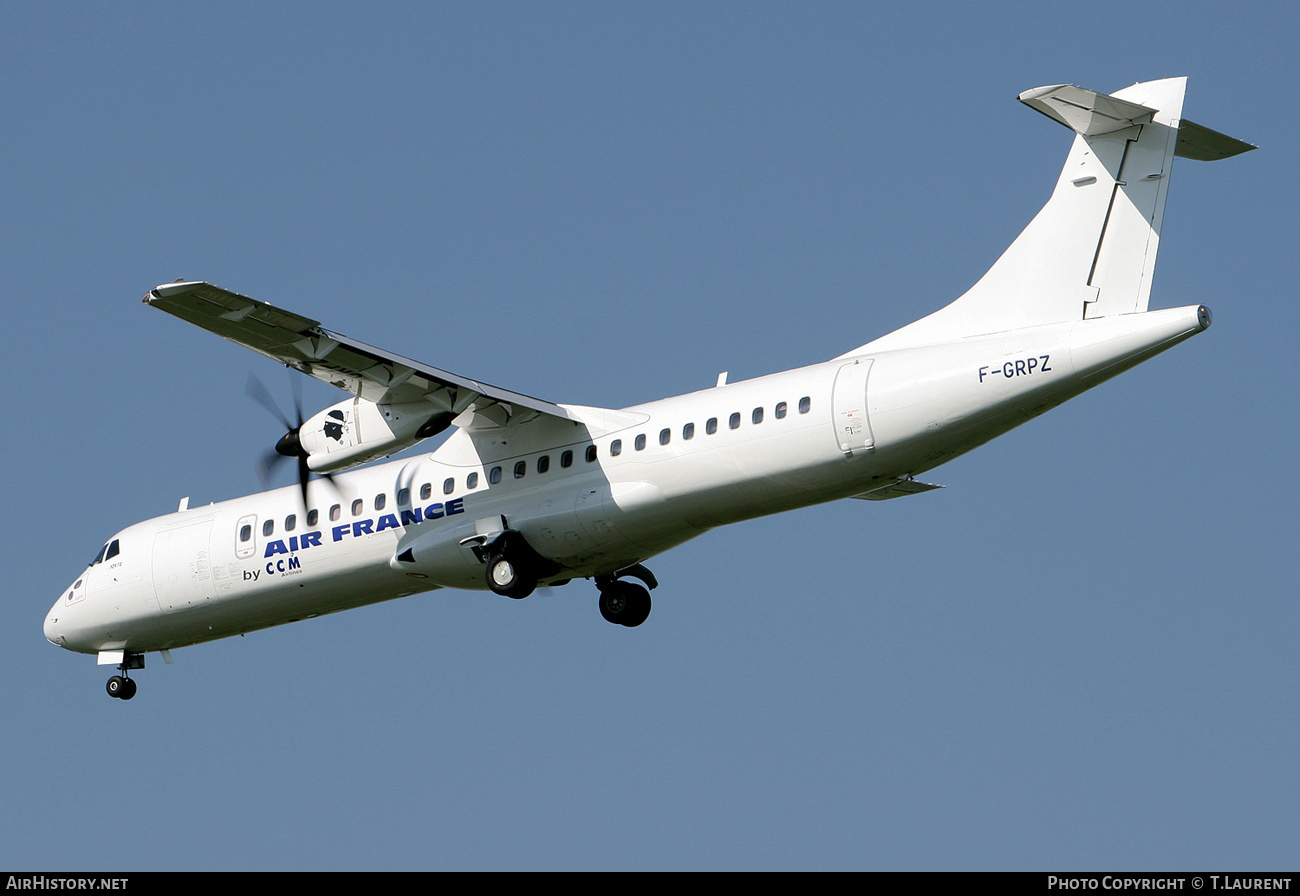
(289, 445)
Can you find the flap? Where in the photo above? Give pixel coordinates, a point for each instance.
(362, 370)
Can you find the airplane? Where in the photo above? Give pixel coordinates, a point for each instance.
(526, 493)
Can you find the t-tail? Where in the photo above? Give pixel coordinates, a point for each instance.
(1091, 251)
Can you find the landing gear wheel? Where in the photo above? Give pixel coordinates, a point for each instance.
(625, 603)
(120, 687)
(506, 578)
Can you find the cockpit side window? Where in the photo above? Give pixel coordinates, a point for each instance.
(107, 552)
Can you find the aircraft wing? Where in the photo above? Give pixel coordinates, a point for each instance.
(362, 370)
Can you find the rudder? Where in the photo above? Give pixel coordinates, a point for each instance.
(1091, 250)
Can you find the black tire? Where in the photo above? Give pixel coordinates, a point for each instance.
(505, 577)
(625, 603)
(128, 688)
(116, 685)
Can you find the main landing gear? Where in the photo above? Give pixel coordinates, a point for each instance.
(626, 603)
(508, 578)
(513, 569)
(621, 602)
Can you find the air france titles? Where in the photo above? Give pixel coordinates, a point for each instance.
(355, 529)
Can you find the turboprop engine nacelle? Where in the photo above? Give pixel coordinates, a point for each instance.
(356, 431)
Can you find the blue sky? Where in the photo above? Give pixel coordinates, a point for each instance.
(1079, 655)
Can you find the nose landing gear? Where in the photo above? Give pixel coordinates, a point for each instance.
(121, 686)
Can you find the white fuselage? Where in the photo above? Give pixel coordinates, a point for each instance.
(592, 497)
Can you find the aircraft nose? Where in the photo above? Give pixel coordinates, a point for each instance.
(51, 627)
(59, 621)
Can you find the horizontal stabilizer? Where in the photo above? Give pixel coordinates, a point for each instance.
(1085, 111)
(1205, 145)
(1090, 252)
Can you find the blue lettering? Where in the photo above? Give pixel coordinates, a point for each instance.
(415, 515)
(387, 521)
(433, 512)
(340, 531)
(455, 506)
(275, 547)
(311, 539)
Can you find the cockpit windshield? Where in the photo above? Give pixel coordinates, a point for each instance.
(107, 552)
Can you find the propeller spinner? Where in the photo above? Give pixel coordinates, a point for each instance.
(289, 444)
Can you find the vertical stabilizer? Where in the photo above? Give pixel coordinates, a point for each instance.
(1091, 251)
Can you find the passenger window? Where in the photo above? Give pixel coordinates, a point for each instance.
(449, 486)
(543, 463)
(381, 501)
(664, 436)
(426, 491)
(805, 404)
(688, 431)
(313, 517)
(712, 426)
(357, 506)
(403, 497)
(495, 476)
(640, 442)
(735, 420)
(245, 533)
(520, 469)
(566, 459)
(471, 481)
(268, 527)
(335, 512)
(616, 448)
(757, 416)
(591, 453)
(780, 411)
(290, 522)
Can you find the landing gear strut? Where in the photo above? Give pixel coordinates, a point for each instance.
(121, 686)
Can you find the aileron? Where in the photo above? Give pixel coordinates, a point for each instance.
(362, 370)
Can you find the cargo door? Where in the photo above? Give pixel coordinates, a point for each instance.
(182, 565)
